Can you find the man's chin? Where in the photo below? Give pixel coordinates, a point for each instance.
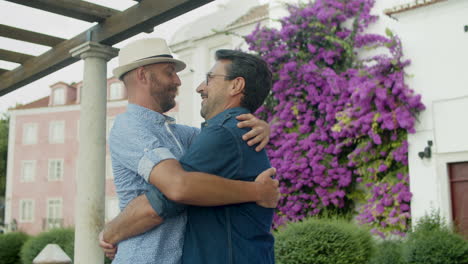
(169, 107)
(203, 113)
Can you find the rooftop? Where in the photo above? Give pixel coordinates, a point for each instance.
(410, 6)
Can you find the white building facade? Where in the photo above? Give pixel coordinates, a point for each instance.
(435, 38)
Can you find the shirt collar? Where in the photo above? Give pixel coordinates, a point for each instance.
(141, 112)
(221, 117)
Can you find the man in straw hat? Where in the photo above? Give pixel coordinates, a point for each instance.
(145, 146)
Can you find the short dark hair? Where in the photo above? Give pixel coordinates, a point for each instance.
(255, 72)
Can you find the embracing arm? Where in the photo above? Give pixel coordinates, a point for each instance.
(189, 187)
(138, 217)
(203, 189)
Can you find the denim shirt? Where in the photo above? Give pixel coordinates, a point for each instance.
(139, 140)
(237, 233)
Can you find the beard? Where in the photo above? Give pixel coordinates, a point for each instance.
(164, 94)
(203, 113)
(167, 104)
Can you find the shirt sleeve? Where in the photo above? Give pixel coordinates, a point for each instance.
(136, 148)
(163, 206)
(215, 151)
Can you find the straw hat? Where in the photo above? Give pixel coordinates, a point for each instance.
(143, 52)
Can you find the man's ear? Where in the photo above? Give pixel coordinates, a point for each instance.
(238, 86)
(142, 75)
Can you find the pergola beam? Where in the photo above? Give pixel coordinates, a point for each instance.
(16, 57)
(121, 26)
(29, 36)
(77, 9)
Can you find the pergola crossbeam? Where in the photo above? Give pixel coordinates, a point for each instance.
(16, 57)
(29, 36)
(77, 9)
(136, 19)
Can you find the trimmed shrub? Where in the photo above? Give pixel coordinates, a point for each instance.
(64, 237)
(388, 252)
(435, 247)
(323, 241)
(10, 245)
(433, 242)
(431, 222)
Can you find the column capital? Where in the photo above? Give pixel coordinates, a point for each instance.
(94, 49)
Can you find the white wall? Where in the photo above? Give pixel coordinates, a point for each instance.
(434, 39)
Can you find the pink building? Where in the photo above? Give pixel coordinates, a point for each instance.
(42, 159)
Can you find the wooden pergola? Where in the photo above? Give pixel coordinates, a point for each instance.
(113, 27)
(94, 47)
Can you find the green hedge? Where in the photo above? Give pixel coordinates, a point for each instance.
(64, 237)
(435, 247)
(323, 241)
(10, 245)
(388, 252)
(433, 242)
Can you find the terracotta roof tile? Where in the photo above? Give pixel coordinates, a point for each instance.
(43, 102)
(414, 5)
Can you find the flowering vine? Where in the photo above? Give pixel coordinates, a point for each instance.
(339, 121)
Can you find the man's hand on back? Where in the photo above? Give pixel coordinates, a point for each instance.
(268, 189)
(260, 133)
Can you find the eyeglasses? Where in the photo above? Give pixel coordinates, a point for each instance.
(210, 76)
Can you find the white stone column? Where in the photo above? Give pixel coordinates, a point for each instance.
(90, 200)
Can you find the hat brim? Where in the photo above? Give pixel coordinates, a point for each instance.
(121, 70)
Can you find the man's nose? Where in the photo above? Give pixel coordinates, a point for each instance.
(200, 87)
(178, 82)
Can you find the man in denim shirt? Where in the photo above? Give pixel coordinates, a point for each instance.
(141, 139)
(237, 84)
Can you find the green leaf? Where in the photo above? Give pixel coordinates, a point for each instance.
(389, 32)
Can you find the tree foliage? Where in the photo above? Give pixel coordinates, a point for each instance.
(4, 123)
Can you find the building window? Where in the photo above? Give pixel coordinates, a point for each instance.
(54, 213)
(28, 170)
(59, 96)
(29, 133)
(57, 132)
(112, 208)
(110, 124)
(55, 169)
(26, 210)
(109, 172)
(115, 91)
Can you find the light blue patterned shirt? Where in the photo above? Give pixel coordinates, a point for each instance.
(140, 139)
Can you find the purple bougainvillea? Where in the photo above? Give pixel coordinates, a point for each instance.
(339, 118)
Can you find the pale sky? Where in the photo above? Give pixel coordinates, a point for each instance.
(56, 25)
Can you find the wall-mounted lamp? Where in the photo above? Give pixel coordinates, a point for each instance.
(427, 153)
